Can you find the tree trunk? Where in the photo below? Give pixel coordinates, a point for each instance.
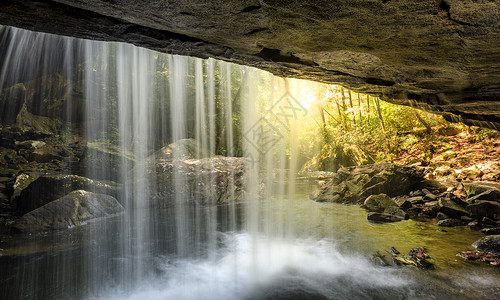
(428, 128)
(350, 103)
(376, 103)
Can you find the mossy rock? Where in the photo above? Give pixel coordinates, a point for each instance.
(378, 203)
(27, 122)
(51, 187)
(182, 150)
(74, 209)
(103, 162)
(11, 102)
(206, 181)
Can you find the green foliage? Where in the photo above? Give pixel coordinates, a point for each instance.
(346, 121)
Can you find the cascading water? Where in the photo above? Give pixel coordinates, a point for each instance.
(196, 225)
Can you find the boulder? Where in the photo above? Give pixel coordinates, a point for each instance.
(51, 187)
(490, 244)
(483, 208)
(22, 181)
(403, 202)
(379, 203)
(386, 206)
(478, 187)
(103, 162)
(451, 209)
(206, 181)
(74, 209)
(382, 217)
(355, 184)
(182, 150)
(491, 195)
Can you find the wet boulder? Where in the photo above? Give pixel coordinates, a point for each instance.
(206, 181)
(183, 149)
(51, 187)
(354, 184)
(74, 209)
(490, 244)
(450, 208)
(490, 195)
(384, 205)
(482, 208)
(103, 162)
(479, 187)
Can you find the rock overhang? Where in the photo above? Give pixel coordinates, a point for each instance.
(441, 55)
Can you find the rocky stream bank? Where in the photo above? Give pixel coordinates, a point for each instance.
(393, 193)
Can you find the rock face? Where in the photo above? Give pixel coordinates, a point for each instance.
(51, 187)
(182, 150)
(75, 209)
(355, 184)
(441, 55)
(207, 181)
(183, 173)
(104, 164)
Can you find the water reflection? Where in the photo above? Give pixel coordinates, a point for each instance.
(327, 258)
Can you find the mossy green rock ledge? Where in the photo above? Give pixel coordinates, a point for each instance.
(75, 209)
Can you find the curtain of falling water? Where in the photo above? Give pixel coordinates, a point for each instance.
(140, 101)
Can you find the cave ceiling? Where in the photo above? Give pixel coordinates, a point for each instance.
(441, 56)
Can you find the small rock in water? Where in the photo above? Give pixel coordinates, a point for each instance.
(491, 231)
(489, 244)
(488, 221)
(416, 257)
(441, 216)
(380, 260)
(474, 225)
(466, 219)
(449, 223)
(382, 218)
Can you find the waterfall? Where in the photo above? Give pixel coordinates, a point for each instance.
(201, 154)
(135, 102)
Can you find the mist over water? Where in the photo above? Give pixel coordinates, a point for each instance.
(268, 241)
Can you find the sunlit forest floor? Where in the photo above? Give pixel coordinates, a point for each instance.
(458, 152)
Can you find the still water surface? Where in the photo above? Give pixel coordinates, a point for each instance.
(300, 250)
